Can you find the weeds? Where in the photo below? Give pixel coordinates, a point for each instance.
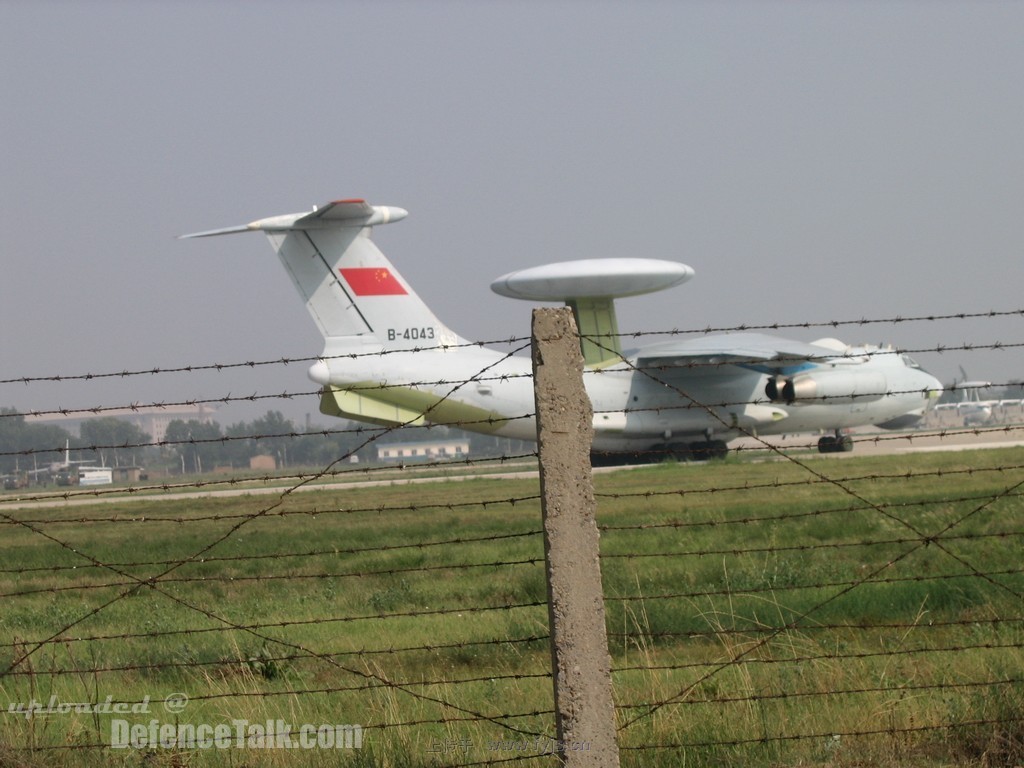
(776, 627)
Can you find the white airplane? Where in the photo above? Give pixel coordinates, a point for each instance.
(388, 360)
(971, 408)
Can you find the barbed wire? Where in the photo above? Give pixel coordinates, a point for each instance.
(333, 551)
(287, 512)
(139, 492)
(808, 548)
(736, 551)
(265, 658)
(219, 367)
(840, 584)
(357, 431)
(521, 340)
(764, 628)
(241, 579)
(933, 625)
(137, 407)
(902, 688)
(371, 686)
(941, 473)
(940, 432)
(798, 659)
(512, 501)
(832, 736)
(226, 626)
(221, 400)
(135, 491)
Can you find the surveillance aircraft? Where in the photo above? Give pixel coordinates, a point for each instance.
(388, 360)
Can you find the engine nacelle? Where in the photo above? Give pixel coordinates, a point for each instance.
(827, 387)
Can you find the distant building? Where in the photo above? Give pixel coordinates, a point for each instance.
(263, 462)
(435, 450)
(153, 420)
(95, 476)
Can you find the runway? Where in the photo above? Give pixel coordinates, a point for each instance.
(866, 443)
(870, 442)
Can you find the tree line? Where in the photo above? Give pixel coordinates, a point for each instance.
(203, 446)
(192, 446)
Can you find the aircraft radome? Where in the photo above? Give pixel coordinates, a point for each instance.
(388, 360)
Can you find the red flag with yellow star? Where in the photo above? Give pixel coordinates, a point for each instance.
(372, 281)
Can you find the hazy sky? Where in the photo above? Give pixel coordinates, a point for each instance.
(811, 160)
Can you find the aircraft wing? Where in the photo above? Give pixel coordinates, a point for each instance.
(769, 354)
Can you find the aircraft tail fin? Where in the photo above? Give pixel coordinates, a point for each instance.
(352, 291)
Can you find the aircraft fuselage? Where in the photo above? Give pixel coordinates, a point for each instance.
(637, 408)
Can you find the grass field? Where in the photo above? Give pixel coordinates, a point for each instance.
(858, 612)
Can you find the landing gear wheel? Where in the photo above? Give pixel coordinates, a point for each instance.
(664, 452)
(680, 452)
(706, 450)
(835, 444)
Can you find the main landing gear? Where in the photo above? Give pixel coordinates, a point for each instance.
(838, 443)
(700, 450)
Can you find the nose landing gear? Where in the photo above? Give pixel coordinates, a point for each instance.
(841, 442)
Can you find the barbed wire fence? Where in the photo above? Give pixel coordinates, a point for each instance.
(773, 608)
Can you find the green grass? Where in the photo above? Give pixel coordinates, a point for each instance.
(757, 615)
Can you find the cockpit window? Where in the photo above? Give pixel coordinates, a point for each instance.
(910, 362)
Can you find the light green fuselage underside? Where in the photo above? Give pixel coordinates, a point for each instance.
(406, 407)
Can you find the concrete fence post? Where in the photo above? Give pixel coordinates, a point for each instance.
(581, 666)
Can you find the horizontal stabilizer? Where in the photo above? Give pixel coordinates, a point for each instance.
(215, 232)
(340, 213)
(345, 213)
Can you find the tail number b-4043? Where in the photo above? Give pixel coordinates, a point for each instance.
(410, 334)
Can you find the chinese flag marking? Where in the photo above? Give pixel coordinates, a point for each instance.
(372, 281)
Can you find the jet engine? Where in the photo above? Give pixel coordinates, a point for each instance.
(827, 387)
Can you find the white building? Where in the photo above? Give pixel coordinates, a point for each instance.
(435, 450)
